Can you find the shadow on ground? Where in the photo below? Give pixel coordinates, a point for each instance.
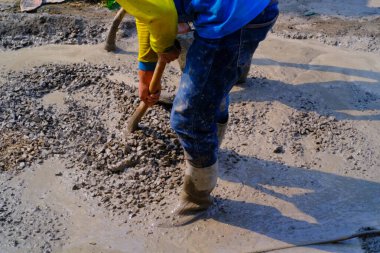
(293, 205)
(362, 98)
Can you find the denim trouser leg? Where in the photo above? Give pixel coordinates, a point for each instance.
(213, 66)
(204, 84)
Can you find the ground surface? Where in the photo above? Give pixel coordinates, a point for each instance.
(300, 161)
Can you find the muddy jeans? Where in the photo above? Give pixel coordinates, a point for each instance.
(213, 66)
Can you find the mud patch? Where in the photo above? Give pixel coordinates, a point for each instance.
(55, 98)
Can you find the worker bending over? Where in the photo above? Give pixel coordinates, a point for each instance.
(226, 35)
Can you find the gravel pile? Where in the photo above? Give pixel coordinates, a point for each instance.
(24, 30)
(327, 132)
(300, 131)
(124, 172)
(134, 171)
(358, 34)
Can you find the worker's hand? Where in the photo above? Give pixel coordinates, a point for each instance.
(169, 56)
(171, 53)
(145, 77)
(183, 28)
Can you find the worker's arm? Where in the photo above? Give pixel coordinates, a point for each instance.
(147, 63)
(156, 23)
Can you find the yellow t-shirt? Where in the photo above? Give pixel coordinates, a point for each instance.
(156, 22)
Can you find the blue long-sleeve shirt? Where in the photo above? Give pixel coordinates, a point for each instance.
(217, 18)
(156, 21)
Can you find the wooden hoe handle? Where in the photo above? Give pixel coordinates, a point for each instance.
(154, 85)
(111, 37)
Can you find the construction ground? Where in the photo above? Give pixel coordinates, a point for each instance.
(300, 162)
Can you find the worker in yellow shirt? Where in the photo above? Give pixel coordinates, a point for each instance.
(226, 35)
(156, 23)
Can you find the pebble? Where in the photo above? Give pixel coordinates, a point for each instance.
(279, 150)
(76, 187)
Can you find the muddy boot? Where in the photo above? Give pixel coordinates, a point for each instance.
(198, 184)
(221, 128)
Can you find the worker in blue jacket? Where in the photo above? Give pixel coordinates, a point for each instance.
(227, 33)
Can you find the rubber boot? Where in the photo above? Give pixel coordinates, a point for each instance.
(221, 131)
(197, 186)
